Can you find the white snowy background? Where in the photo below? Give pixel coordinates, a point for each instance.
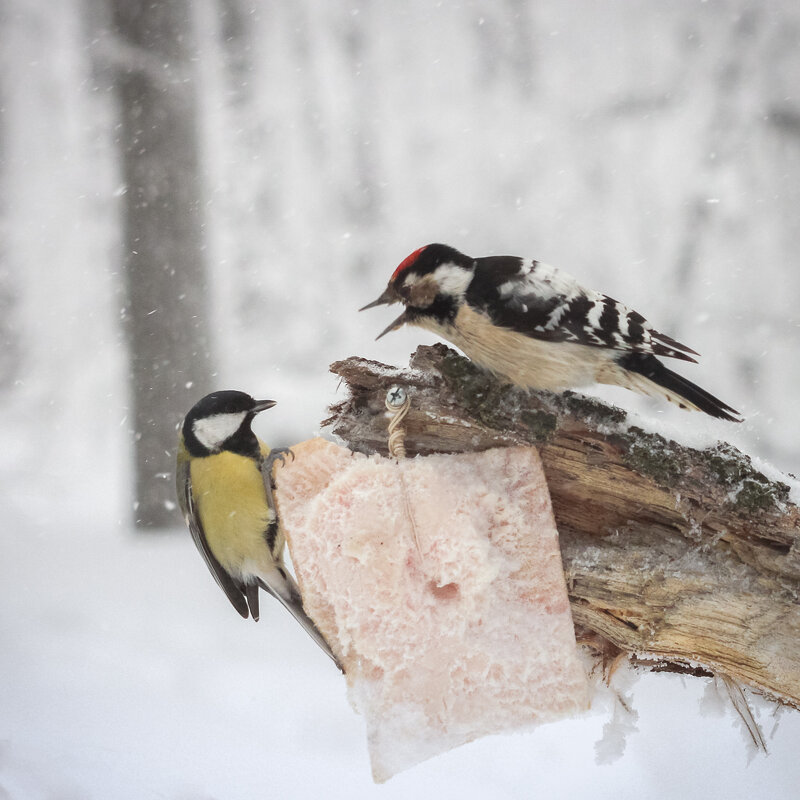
(651, 148)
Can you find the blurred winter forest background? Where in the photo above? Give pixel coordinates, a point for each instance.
(199, 194)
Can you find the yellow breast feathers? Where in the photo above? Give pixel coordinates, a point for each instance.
(232, 506)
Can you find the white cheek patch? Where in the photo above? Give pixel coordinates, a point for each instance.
(452, 280)
(211, 432)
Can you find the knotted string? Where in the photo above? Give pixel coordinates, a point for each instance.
(397, 447)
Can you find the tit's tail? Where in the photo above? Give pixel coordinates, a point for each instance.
(644, 373)
(281, 585)
(277, 581)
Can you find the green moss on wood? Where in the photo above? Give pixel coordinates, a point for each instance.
(654, 456)
(649, 454)
(750, 489)
(456, 369)
(492, 402)
(727, 464)
(541, 424)
(589, 407)
(484, 397)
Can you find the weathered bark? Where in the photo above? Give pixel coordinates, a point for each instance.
(689, 559)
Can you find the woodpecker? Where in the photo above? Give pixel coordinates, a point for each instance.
(537, 327)
(224, 485)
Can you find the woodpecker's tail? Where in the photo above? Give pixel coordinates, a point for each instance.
(646, 374)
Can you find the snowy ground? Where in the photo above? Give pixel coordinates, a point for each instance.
(126, 674)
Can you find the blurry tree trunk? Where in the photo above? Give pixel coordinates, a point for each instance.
(236, 35)
(9, 343)
(362, 197)
(164, 264)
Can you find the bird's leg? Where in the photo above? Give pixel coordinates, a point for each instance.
(276, 454)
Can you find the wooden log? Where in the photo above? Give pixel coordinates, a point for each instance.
(689, 559)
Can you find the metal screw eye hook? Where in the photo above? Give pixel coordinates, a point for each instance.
(396, 397)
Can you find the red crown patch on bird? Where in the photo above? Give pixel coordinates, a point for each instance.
(407, 262)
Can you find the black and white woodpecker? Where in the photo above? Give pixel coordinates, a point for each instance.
(224, 485)
(537, 327)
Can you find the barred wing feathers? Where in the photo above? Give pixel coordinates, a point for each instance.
(537, 300)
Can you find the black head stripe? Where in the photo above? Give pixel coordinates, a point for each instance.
(222, 402)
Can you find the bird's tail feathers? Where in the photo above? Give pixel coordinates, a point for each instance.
(281, 585)
(645, 374)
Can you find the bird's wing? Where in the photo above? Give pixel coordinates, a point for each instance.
(537, 300)
(233, 591)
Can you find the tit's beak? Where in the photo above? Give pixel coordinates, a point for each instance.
(388, 297)
(263, 405)
(398, 323)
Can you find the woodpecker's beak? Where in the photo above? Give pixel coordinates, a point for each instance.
(388, 297)
(398, 323)
(263, 405)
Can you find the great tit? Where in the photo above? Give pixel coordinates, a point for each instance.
(224, 484)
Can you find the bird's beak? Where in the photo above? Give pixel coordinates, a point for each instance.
(388, 297)
(263, 405)
(399, 322)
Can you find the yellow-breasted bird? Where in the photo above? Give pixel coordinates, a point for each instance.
(224, 484)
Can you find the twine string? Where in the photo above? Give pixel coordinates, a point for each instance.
(397, 433)
(397, 448)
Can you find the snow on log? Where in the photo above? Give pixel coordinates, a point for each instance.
(439, 586)
(689, 559)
